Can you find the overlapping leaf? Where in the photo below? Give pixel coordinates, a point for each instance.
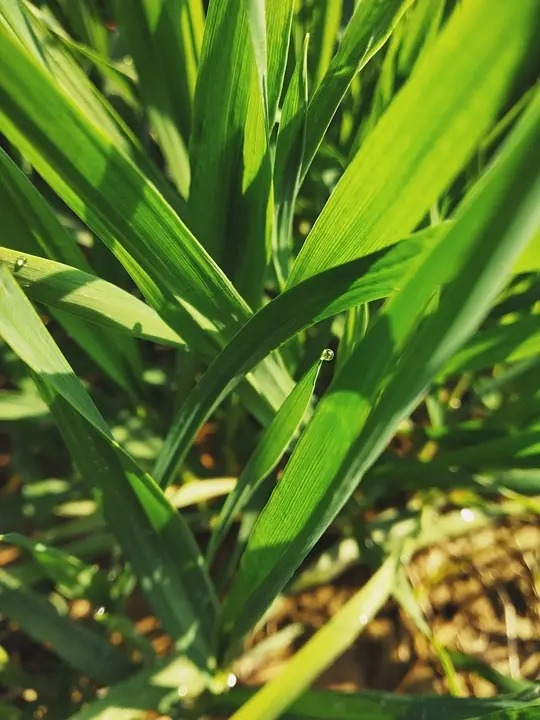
(424, 139)
(153, 535)
(475, 257)
(323, 296)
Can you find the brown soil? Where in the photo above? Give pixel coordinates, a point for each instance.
(480, 594)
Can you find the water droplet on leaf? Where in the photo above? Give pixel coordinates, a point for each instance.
(20, 262)
(327, 354)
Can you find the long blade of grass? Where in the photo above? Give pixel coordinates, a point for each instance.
(532, 712)
(149, 689)
(423, 22)
(508, 342)
(269, 451)
(99, 182)
(270, 29)
(87, 297)
(106, 189)
(318, 298)
(230, 204)
(120, 76)
(323, 648)
(156, 541)
(13, 16)
(78, 645)
(51, 55)
(324, 704)
(279, 17)
(325, 32)
(150, 531)
(474, 258)
(519, 450)
(30, 225)
(256, 16)
(71, 576)
(530, 260)
(166, 65)
(87, 23)
(355, 327)
(369, 28)
(403, 594)
(287, 165)
(427, 135)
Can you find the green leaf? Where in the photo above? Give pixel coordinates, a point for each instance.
(24, 332)
(354, 329)
(30, 225)
(268, 452)
(323, 296)
(367, 31)
(230, 204)
(52, 55)
(21, 406)
(424, 139)
(72, 577)
(422, 24)
(155, 538)
(166, 63)
(324, 704)
(107, 191)
(279, 17)
(322, 649)
(77, 644)
(119, 74)
(519, 450)
(404, 595)
(14, 17)
(88, 169)
(256, 16)
(508, 342)
(270, 24)
(148, 690)
(503, 683)
(87, 297)
(288, 163)
(353, 423)
(87, 23)
(526, 713)
(325, 34)
(530, 260)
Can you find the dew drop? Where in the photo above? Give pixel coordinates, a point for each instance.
(20, 262)
(231, 680)
(363, 619)
(100, 612)
(327, 354)
(182, 691)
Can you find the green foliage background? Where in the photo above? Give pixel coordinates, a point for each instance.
(201, 204)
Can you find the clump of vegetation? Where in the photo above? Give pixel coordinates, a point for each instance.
(270, 274)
